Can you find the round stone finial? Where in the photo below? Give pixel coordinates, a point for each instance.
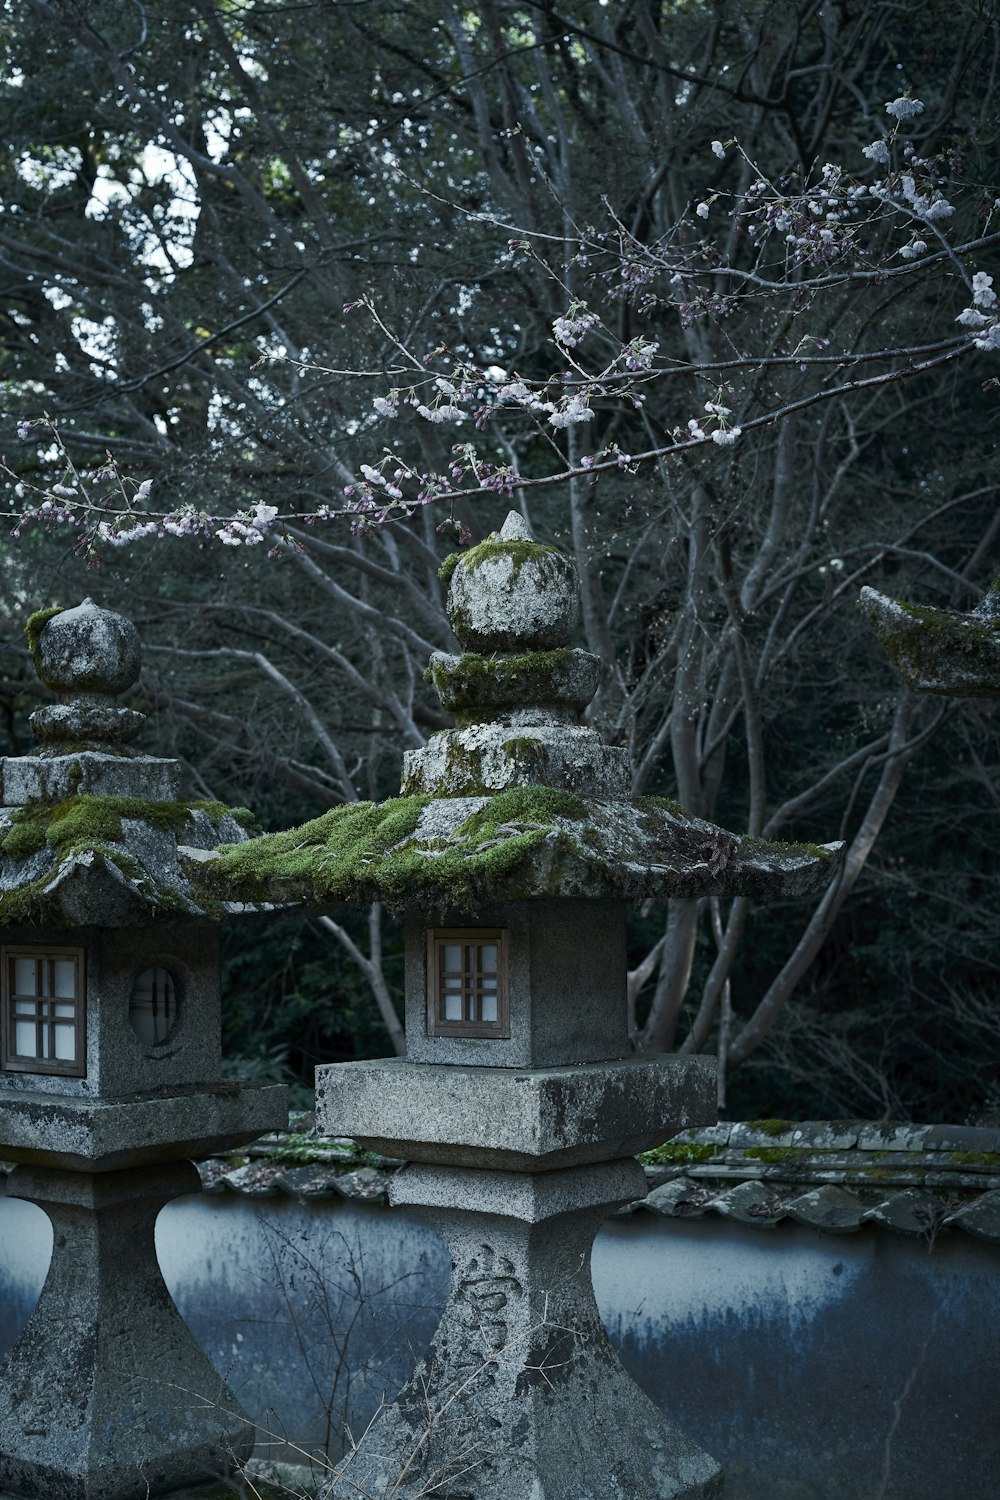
(88, 650)
(513, 594)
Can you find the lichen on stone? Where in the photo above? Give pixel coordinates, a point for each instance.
(45, 844)
(528, 842)
(936, 650)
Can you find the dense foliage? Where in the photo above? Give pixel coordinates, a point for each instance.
(243, 245)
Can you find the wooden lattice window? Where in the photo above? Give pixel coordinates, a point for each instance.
(44, 1010)
(467, 982)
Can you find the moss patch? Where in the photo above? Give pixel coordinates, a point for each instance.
(678, 1153)
(473, 684)
(494, 547)
(86, 821)
(366, 850)
(449, 565)
(33, 628)
(771, 1127)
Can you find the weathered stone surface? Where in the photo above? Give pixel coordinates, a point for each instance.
(910, 1212)
(828, 1208)
(566, 980)
(88, 650)
(53, 778)
(487, 758)
(513, 594)
(106, 1396)
(520, 1394)
(936, 650)
(532, 1120)
(110, 861)
(97, 1135)
(431, 854)
(548, 685)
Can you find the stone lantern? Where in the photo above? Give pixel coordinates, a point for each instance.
(109, 1081)
(520, 1103)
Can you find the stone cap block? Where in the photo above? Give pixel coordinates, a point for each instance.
(513, 1195)
(36, 778)
(508, 1118)
(98, 1135)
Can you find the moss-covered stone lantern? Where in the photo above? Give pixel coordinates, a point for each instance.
(520, 1103)
(938, 650)
(110, 1079)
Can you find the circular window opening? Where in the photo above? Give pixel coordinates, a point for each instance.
(152, 1008)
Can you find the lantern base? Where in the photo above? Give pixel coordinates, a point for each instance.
(521, 1393)
(106, 1395)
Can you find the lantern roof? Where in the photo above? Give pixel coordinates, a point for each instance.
(520, 800)
(93, 833)
(939, 650)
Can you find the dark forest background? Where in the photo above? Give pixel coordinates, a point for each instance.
(192, 194)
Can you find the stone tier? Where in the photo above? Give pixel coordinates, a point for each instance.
(489, 758)
(93, 773)
(99, 1135)
(555, 685)
(509, 1119)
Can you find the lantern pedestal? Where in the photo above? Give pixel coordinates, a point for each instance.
(521, 1393)
(106, 1395)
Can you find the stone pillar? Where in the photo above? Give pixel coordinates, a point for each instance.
(520, 1394)
(110, 1065)
(106, 1395)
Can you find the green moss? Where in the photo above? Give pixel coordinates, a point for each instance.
(365, 849)
(771, 1127)
(34, 626)
(675, 1152)
(773, 1154)
(473, 685)
(449, 565)
(519, 552)
(88, 821)
(666, 803)
(973, 1158)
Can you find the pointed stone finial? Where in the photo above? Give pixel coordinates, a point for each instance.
(515, 528)
(513, 594)
(88, 655)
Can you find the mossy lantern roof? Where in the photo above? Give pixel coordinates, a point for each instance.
(91, 832)
(519, 800)
(939, 650)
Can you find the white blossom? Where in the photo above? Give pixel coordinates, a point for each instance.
(719, 149)
(719, 411)
(695, 428)
(910, 252)
(971, 317)
(373, 476)
(727, 436)
(702, 210)
(575, 411)
(990, 339)
(447, 413)
(939, 209)
(983, 294)
(904, 108)
(571, 329)
(65, 490)
(24, 431)
(142, 493)
(877, 151)
(386, 406)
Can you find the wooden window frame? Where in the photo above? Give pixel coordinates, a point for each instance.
(11, 1062)
(437, 939)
